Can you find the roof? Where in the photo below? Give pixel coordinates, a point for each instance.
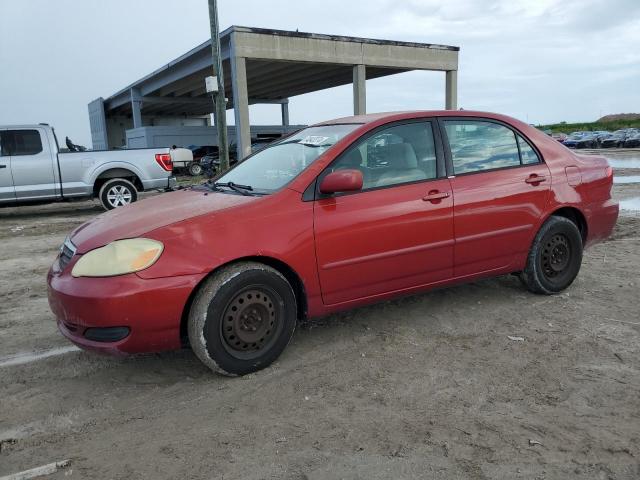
(372, 120)
(24, 126)
(400, 115)
(279, 64)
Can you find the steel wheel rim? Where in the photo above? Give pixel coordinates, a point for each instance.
(556, 256)
(119, 195)
(196, 169)
(252, 322)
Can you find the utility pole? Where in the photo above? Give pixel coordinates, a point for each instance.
(219, 99)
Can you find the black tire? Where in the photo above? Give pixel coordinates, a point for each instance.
(195, 169)
(117, 192)
(555, 257)
(242, 318)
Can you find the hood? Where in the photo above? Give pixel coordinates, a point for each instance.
(144, 216)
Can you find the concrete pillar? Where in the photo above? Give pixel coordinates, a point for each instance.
(359, 90)
(241, 105)
(451, 90)
(284, 107)
(136, 107)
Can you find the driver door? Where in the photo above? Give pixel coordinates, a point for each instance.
(397, 232)
(32, 164)
(7, 190)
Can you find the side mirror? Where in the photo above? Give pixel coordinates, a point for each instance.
(342, 181)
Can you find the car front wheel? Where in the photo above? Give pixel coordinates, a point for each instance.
(555, 257)
(242, 318)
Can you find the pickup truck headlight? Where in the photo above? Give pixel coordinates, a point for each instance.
(118, 258)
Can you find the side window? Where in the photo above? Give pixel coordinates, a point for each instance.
(478, 145)
(25, 142)
(4, 144)
(392, 156)
(527, 154)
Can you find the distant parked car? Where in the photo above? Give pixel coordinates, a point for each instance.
(585, 140)
(201, 151)
(632, 141)
(211, 163)
(616, 139)
(561, 137)
(194, 167)
(600, 135)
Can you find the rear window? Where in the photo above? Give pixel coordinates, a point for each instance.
(21, 142)
(479, 145)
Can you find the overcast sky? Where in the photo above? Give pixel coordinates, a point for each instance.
(539, 60)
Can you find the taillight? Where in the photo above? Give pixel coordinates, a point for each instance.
(164, 160)
(609, 171)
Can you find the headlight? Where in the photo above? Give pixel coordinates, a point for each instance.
(118, 258)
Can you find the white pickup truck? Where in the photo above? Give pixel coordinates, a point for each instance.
(33, 170)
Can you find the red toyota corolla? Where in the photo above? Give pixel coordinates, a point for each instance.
(340, 214)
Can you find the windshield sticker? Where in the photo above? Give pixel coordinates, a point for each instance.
(314, 140)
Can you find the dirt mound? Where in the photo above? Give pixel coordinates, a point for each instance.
(620, 116)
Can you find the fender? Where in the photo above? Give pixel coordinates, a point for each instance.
(92, 175)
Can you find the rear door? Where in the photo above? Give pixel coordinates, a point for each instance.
(32, 164)
(397, 232)
(501, 186)
(7, 191)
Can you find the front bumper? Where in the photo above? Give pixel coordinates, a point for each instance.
(151, 310)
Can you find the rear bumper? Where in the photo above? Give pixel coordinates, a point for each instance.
(160, 183)
(601, 218)
(151, 310)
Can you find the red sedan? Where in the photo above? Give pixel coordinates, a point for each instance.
(338, 215)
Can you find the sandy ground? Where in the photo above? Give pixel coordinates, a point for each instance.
(429, 386)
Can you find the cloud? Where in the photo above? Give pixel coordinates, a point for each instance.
(540, 60)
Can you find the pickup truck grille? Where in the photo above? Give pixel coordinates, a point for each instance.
(67, 251)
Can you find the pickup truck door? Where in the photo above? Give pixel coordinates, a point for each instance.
(7, 191)
(33, 163)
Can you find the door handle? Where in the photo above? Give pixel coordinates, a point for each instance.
(435, 196)
(3, 166)
(534, 179)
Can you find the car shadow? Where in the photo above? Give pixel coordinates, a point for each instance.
(431, 307)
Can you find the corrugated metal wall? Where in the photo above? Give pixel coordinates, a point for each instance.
(98, 125)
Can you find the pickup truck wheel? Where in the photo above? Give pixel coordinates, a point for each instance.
(195, 169)
(555, 257)
(242, 318)
(117, 192)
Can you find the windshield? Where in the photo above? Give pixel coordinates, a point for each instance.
(276, 165)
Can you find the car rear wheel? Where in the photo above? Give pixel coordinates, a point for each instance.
(117, 192)
(242, 318)
(555, 257)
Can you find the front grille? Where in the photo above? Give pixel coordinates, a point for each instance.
(67, 251)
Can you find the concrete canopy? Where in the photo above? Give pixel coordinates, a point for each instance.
(269, 66)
